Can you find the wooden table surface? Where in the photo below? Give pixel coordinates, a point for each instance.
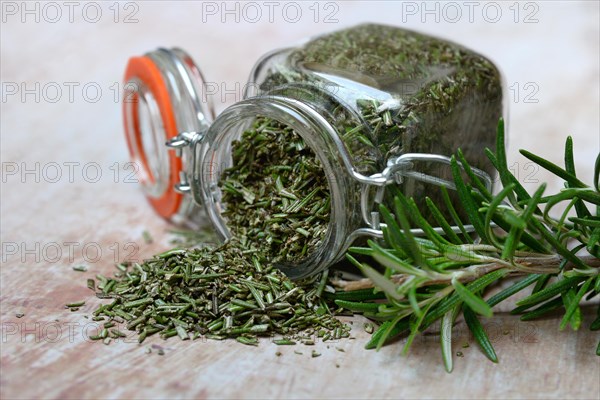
(68, 199)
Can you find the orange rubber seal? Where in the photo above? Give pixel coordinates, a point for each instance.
(143, 70)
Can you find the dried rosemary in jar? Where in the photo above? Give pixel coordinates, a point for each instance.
(276, 192)
(344, 120)
(414, 94)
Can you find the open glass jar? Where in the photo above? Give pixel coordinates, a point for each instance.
(382, 108)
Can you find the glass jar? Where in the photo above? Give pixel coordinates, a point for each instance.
(382, 108)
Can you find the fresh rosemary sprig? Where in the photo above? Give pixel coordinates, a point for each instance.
(437, 277)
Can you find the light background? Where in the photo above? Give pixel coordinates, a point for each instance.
(554, 58)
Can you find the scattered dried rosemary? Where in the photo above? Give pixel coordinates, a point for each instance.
(217, 293)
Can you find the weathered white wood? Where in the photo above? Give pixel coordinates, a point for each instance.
(559, 54)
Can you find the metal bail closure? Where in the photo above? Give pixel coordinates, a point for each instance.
(396, 170)
(164, 99)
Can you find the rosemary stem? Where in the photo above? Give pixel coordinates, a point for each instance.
(543, 264)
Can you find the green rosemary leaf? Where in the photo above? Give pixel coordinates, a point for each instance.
(568, 297)
(541, 283)
(408, 242)
(550, 291)
(491, 211)
(458, 253)
(597, 173)
(514, 236)
(559, 248)
(257, 296)
(414, 329)
(569, 159)
(75, 305)
(580, 207)
(386, 335)
(356, 295)
(449, 302)
(574, 306)
(249, 341)
(479, 333)
(395, 237)
(376, 336)
(379, 280)
(136, 303)
(364, 251)
(574, 194)
(412, 298)
(483, 190)
(171, 252)
(472, 300)
(467, 200)
(527, 239)
(410, 207)
(322, 283)
(541, 310)
(592, 222)
(555, 169)
(595, 326)
(358, 306)
(353, 261)
(588, 194)
(598, 349)
(284, 342)
(181, 332)
(446, 340)
(387, 259)
(457, 221)
(499, 160)
(511, 290)
(390, 329)
(443, 223)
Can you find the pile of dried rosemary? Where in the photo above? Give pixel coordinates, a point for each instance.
(224, 292)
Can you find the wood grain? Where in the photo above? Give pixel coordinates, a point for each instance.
(45, 353)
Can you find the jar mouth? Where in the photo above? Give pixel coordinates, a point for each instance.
(215, 155)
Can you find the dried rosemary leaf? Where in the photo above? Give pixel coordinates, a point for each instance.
(271, 190)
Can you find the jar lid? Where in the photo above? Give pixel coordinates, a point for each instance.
(163, 98)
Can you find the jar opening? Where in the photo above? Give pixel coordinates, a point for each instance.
(217, 160)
